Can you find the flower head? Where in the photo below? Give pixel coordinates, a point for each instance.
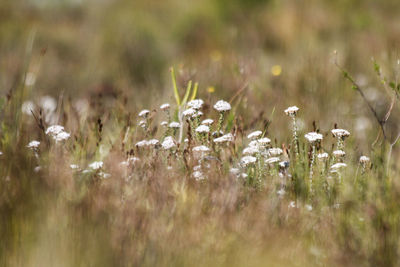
(254, 135)
(203, 129)
(144, 113)
(95, 165)
(189, 112)
(291, 111)
(246, 160)
(165, 106)
(33, 144)
(342, 133)
(225, 138)
(195, 104)
(207, 122)
(313, 137)
(364, 159)
(222, 106)
(174, 124)
(168, 143)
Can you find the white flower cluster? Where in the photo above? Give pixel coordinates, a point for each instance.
(58, 133)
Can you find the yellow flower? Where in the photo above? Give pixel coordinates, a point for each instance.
(211, 89)
(276, 70)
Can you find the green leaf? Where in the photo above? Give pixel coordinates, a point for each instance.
(187, 93)
(354, 87)
(176, 93)
(196, 85)
(392, 85)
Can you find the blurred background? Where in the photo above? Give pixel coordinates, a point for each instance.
(281, 51)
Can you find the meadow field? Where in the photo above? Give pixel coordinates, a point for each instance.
(199, 133)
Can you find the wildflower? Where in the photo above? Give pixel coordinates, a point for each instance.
(225, 138)
(203, 129)
(142, 143)
(272, 160)
(143, 123)
(197, 168)
(291, 111)
(27, 107)
(246, 160)
(37, 169)
(174, 124)
(104, 175)
(234, 171)
(364, 159)
(165, 106)
(195, 104)
(284, 164)
(323, 156)
(292, 204)
(164, 123)
(189, 112)
(275, 151)
(168, 143)
(340, 133)
(201, 149)
(281, 192)
(48, 103)
(198, 175)
(339, 153)
(207, 122)
(144, 113)
(74, 166)
(197, 114)
(153, 142)
(96, 165)
(222, 106)
(264, 141)
(313, 137)
(33, 144)
(254, 135)
(250, 150)
(338, 166)
(58, 133)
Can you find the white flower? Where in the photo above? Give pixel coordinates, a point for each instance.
(174, 124)
(309, 207)
(142, 123)
(197, 114)
(27, 107)
(165, 106)
(54, 129)
(323, 156)
(57, 132)
(364, 159)
(201, 149)
(272, 160)
(153, 142)
(222, 105)
(338, 166)
(74, 166)
(104, 175)
(142, 143)
(95, 165)
(292, 204)
(203, 129)
(48, 103)
(164, 123)
(246, 160)
(144, 113)
(1, 153)
(33, 144)
(168, 143)
(189, 112)
(198, 175)
(207, 121)
(197, 168)
(250, 150)
(225, 138)
(254, 135)
(234, 171)
(264, 141)
(275, 151)
(291, 111)
(339, 153)
(195, 104)
(340, 133)
(281, 192)
(313, 137)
